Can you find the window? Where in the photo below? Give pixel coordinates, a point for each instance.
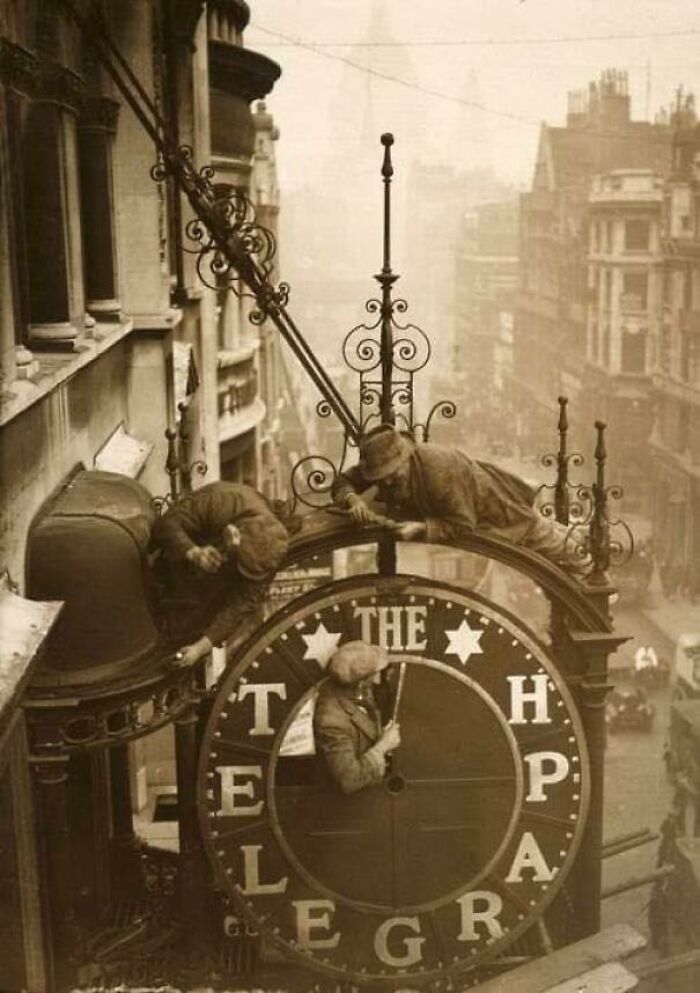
(607, 302)
(634, 291)
(608, 236)
(633, 357)
(637, 236)
(666, 287)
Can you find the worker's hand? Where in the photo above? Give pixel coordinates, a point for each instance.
(358, 511)
(207, 558)
(191, 654)
(411, 531)
(391, 738)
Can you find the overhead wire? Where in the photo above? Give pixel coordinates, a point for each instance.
(450, 97)
(487, 42)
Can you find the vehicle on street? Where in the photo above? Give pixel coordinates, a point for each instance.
(628, 709)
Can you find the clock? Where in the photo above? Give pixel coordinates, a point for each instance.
(471, 832)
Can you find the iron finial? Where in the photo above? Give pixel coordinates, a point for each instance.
(599, 533)
(561, 487)
(600, 452)
(387, 139)
(563, 420)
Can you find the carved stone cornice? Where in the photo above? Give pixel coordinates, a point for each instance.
(39, 78)
(240, 71)
(61, 85)
(98, 113)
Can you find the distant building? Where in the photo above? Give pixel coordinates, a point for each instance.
(551, 313)
(675, 443)
(486, 281)
(244, 158)
(625, 279)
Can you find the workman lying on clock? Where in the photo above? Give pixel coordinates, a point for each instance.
(221, 548)
(438, 492)
(347, 725)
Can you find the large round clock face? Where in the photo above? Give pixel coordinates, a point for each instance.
(469, 834)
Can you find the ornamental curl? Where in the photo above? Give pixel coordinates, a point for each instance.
(403, 394)
(411, 354)
(312, 480)
(443, 408)
(370, 394)
(361, 351)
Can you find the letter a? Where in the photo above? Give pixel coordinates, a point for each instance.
(529, 856)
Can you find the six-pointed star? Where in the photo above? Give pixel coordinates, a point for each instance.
(321, 644)
(464, 642)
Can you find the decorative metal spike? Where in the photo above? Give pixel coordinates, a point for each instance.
(561, 488)
(386, 278)
(172, 463)
(599, 531)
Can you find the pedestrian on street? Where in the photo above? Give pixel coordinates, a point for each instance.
(221, 547)
(440, 493)
(347, 724)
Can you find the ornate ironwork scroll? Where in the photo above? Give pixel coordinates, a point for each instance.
(178, 464)
(608, 541)
(561, 507)
(385, 353)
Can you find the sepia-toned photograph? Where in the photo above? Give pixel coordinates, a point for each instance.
(349, 496)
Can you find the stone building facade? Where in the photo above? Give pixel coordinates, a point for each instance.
(675, 440)
(108, 337)
(599, 136)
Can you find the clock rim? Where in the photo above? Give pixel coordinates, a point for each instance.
(280, 621)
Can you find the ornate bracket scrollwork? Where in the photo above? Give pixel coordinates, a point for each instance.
(561, 507)
(443, 408)
(314, 476)
(178, 465)
(593, 534)
(363, 353)
(231, 216)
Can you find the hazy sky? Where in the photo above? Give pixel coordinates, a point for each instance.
(324, 105)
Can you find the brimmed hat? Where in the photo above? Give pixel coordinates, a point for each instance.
(382, 452)
(264, 543)
(356, 660)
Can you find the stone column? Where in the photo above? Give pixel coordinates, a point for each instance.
(47, 228)
(191, 873)
(89, 808)
(51, 781)
(96, 129)
(125, 863)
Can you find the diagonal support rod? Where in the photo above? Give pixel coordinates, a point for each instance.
(199, 193)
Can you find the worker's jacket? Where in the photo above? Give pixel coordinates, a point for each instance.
(211, 604)
(345, 734)
(453, 493)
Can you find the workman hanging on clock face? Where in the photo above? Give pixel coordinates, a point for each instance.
(347, 725)
(439, 493)
(221, 548)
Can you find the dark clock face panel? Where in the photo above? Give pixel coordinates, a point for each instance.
(465, 839)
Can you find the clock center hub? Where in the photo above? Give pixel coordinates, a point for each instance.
(395, 784)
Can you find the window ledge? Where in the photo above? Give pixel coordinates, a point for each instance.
(56, 367)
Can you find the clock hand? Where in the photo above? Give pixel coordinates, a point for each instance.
(399, 691)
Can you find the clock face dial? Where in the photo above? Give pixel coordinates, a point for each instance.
(475, 824)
